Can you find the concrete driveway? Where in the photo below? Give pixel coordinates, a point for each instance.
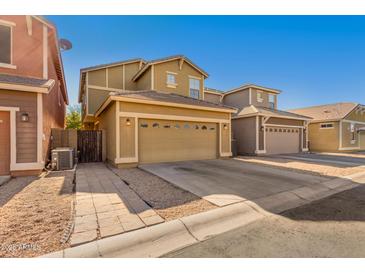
(331, 159)
(224, 182)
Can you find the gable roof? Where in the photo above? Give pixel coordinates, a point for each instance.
(163, 98)
(246, 86)
(168, 59)
(256, 110)
(213, 91)
(113, 64)
(328, 112)
(102, 66)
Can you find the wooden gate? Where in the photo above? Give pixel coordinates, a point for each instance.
(89, 145)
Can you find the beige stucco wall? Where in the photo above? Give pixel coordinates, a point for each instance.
(96, 98)
(239, 99)
(286, 122)
(347, 135)
(115, 77)
(225, 138)
(182, 77)
(144, 81)
(97, 78)
(323, 139)
(107, 122)
(127, 137)
(244, 131)
(213, 98)
(166, 110)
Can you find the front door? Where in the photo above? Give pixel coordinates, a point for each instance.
(4, 142)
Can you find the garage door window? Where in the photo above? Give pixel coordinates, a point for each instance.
(177, 126)
(166, 126)
(156, 125)
(144, 125)
(196, 127)
(212, 128)
(186, 126)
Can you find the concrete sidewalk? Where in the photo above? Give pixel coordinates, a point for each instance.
(155, 241)
(106, 206)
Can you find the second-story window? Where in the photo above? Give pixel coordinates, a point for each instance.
(260, 99)
(171, 79)
(272, 101)
(194, 88)
(5, 44)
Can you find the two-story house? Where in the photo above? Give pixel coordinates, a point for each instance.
(258, 126)
(153, 111)
(33, 93)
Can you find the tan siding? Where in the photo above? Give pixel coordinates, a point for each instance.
(130, 71)
(97, 78)
(4, 142)
(239, 99)
(26, 132)
(115, 77)
(323, 139)
(144, 82)
(225, 138)
(261, 135)
(107, 122)
(213, 98)
(127, 137)
(347, 135)
(244, 131)
(182, 77)
(96, 98)
(362, 140)
(165, 110)
(286, 122)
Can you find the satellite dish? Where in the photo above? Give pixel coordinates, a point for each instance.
(65, 44)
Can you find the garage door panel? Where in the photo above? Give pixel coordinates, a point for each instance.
(281, 140)
(164, 141)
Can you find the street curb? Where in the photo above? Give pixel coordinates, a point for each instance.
(161, 239)
(208, 224)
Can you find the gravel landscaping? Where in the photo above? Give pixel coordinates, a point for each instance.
(168, 201)
(303, 166)
(34, 214)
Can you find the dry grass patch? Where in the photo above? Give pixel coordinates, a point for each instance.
(303, 166)
(169, 201)
(34, 212)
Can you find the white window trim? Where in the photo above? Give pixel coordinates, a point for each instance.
(11, 25)
(198, 79)
(261, 99)
(170, 84)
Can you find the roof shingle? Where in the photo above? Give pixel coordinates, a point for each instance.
(152, 95)
(21, 80)
(327, 112)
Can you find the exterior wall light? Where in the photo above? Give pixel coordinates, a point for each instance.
(225, 127)
(128, 122)
(24, 117)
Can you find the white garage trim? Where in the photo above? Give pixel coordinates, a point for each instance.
(275, 125)
(137, 116)
(172, 117)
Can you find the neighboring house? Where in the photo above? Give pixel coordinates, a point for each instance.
(259, 127)
(154, 111)
(336, 127)
(33, 94)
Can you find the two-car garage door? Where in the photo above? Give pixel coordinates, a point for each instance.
(281, 140)
(167, 140)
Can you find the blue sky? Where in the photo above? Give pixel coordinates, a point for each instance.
(312, 59)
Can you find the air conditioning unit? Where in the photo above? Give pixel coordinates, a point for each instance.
(63, 158)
